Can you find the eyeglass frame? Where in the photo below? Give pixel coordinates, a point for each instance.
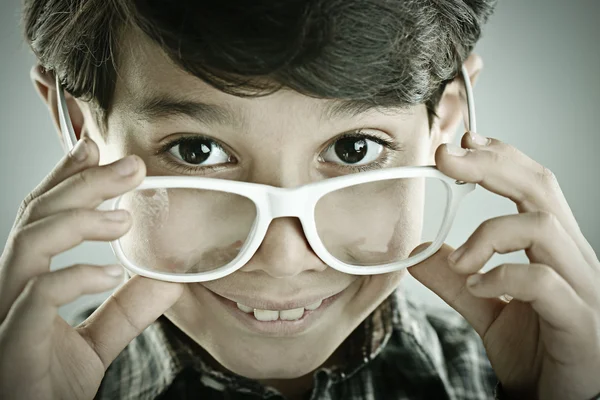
(274, 202)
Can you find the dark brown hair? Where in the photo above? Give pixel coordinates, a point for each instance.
(384, 52)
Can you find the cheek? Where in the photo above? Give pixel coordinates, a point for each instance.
(381, 286)
(193, 319)
(182, 230)
(374, 290)
(372, 223)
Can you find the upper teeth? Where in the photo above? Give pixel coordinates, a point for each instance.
(271, 315)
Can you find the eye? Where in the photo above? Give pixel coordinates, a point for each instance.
(198, 151)
(356, 149)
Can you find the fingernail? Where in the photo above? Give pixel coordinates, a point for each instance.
(116, 215)
(455, 255)
(126, 166)
(478, 139)
(473, 279)
(454, 150)
(80, 152)
(113, 270)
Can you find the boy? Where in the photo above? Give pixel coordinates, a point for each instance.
(177, 84)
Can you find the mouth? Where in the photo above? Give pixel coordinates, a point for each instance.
(286, 321)
(293, 314)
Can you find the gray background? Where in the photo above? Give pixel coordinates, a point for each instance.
(539, 91)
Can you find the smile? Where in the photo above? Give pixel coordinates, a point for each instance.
(284, 315)
(277, 320)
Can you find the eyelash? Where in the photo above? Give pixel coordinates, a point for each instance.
(183, 168)
(377, 164)
(359, 134)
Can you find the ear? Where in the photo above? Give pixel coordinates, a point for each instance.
(45, 84)
(452, 108)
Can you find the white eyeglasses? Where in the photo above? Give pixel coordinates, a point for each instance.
(195, 229)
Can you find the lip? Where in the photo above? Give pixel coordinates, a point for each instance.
(277, 328)
(272, 305)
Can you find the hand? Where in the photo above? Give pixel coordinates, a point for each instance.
(41, 356)
(545, 342)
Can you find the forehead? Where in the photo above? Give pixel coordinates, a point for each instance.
(146, 71)
(149, 84)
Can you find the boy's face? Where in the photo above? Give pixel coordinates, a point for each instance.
(280, 140)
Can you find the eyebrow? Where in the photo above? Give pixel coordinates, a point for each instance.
(165, 107)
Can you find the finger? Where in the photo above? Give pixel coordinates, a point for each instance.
(450, 286)
(549, 198)
(84, 155)
(500, 168)
(89, 188)
(504, 170)
(126, 314)
(548, 293)
(31, 248)
(540, 234)
(37, 306)
(44, 239)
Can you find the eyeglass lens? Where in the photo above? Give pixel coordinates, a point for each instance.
(182, 230)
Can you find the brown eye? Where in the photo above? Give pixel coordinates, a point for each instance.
(199, 151)
(352, 151)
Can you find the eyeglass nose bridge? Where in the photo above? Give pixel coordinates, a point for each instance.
(287, 202)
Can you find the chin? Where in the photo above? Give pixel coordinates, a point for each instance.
(285, 365)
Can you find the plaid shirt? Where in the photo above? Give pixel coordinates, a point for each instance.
(401, 351)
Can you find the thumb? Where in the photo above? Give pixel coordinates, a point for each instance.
(435, 273)
(125, 314)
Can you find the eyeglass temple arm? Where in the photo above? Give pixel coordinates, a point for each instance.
(470, 99)
(69, 137)
(66, 127)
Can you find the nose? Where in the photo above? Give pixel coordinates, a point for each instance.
(285, 252)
